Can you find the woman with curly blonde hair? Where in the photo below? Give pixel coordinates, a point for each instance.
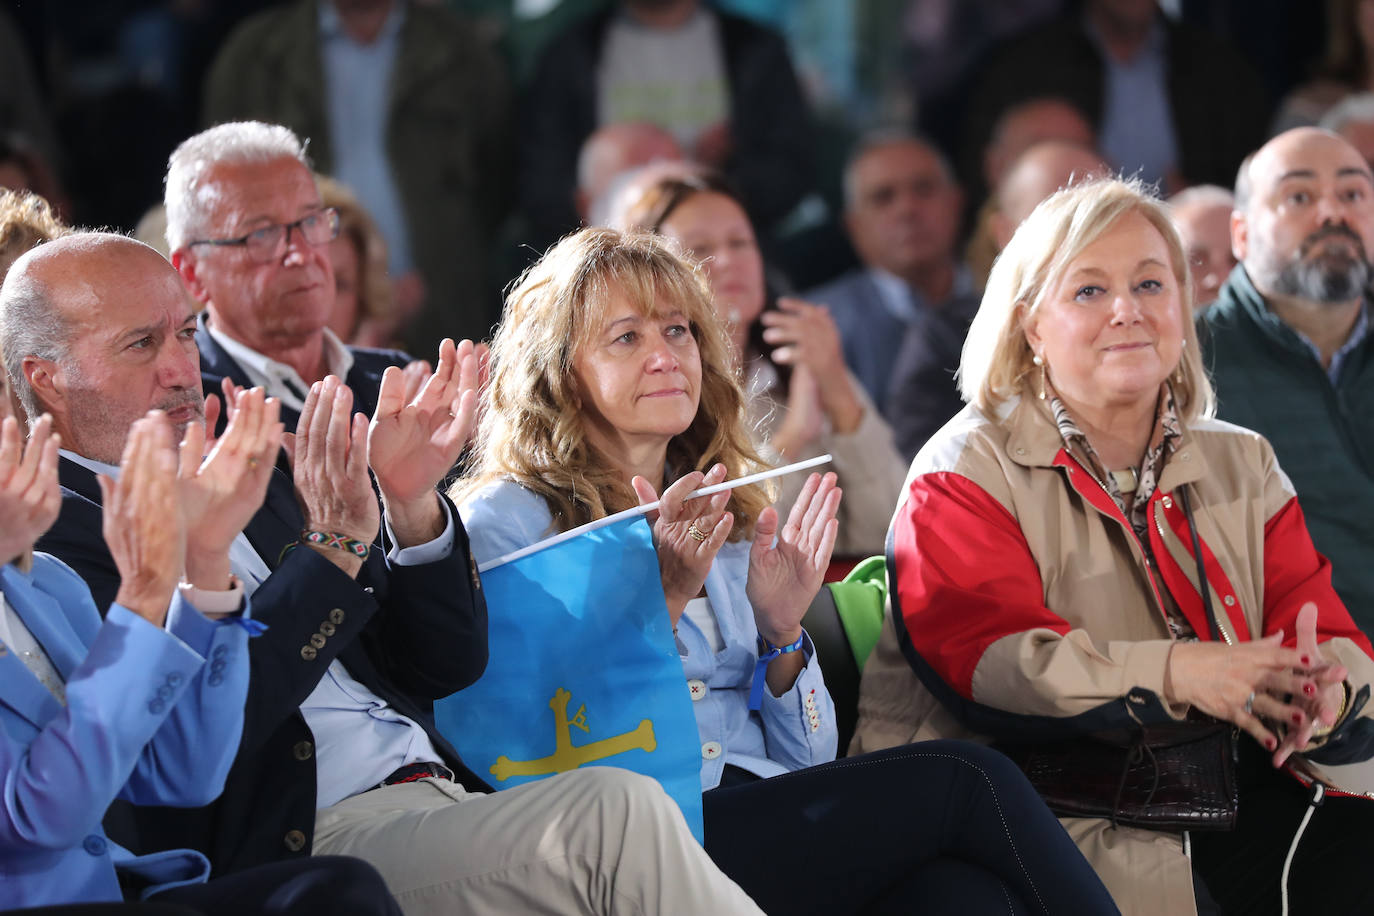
(612, 379)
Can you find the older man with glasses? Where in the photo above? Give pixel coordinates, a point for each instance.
(249, 235)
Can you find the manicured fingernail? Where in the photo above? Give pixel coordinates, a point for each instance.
(1309, 689)
(1306, 660)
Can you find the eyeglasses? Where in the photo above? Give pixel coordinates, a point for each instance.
(270, 242)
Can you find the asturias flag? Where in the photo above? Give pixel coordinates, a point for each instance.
(584, 670)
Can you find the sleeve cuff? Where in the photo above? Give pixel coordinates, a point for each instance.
(420, 554)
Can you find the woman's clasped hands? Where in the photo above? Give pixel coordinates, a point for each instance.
(1283, 697)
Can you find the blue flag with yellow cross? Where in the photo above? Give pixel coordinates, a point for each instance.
(583, 671)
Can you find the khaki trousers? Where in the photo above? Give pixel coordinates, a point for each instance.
(597, 841)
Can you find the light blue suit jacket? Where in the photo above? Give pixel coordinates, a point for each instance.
(153, 716)
(789, 732)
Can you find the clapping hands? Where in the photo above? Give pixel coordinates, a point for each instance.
(221, 492)
(417, 436)
(29, 495)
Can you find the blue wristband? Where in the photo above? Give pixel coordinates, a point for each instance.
(768, 652)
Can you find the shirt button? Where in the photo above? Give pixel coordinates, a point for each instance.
(294, 840)
(94, 844)
(303, 750)
(698, 689)
(308, 653)
(710, 750)
(1230, 600)
(336, 616)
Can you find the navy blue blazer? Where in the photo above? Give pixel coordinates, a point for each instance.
(146, 720)
(411, 634)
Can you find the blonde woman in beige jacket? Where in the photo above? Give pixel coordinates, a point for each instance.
(1044, 573)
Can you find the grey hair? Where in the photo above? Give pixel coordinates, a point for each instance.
(29, 326)
(878, 139)
(185, 197)
(1358, 107)
(1201, 195)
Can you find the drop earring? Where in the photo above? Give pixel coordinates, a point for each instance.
(1041, 363)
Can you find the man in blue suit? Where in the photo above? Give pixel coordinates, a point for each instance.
(369, 623)
(902, 209)
(148, 705)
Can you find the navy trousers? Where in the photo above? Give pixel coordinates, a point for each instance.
(934, 827)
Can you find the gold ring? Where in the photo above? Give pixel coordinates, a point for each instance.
(252, 462)
(695, 532)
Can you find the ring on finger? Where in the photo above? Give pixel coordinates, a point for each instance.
(252, 461)
(696, 533)
(1250, 703)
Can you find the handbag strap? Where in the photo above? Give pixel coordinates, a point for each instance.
(1202, 586)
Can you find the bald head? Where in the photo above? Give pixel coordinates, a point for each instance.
(1304, 218)
(615, 149)
(95, 329)
(1029, 124)
(1039, 172)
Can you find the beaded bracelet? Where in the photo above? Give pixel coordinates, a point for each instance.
(359, 549)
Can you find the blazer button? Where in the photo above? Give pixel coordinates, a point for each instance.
(175, 678)
(3, 651)
(294, 840)
(317, 640)
(164, 692)
(303, 750)
(215, 679)
(327, 628)
(336, 616)
(308, 653)
(156, 707)
(95, 845)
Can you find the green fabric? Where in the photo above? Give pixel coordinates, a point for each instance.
(859, 600)
(1268, 380)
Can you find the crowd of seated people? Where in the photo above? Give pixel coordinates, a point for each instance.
(1100, 396)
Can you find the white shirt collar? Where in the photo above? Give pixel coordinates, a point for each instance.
(278, 379)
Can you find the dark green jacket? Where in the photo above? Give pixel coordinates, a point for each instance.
(1268, 379)
(448, 142)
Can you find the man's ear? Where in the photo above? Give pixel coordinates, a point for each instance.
(44, 378)
(1240, 235)
(188, 268)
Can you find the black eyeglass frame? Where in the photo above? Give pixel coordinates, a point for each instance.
(283, 241)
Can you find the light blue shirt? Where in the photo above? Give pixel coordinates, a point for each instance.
(1137, 135)
(1357, 335)
(357, 81)
(789, 732)
(907, 304)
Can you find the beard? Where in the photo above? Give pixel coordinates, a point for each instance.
(1324, 272)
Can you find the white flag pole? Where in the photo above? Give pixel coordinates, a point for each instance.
(648, 507)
